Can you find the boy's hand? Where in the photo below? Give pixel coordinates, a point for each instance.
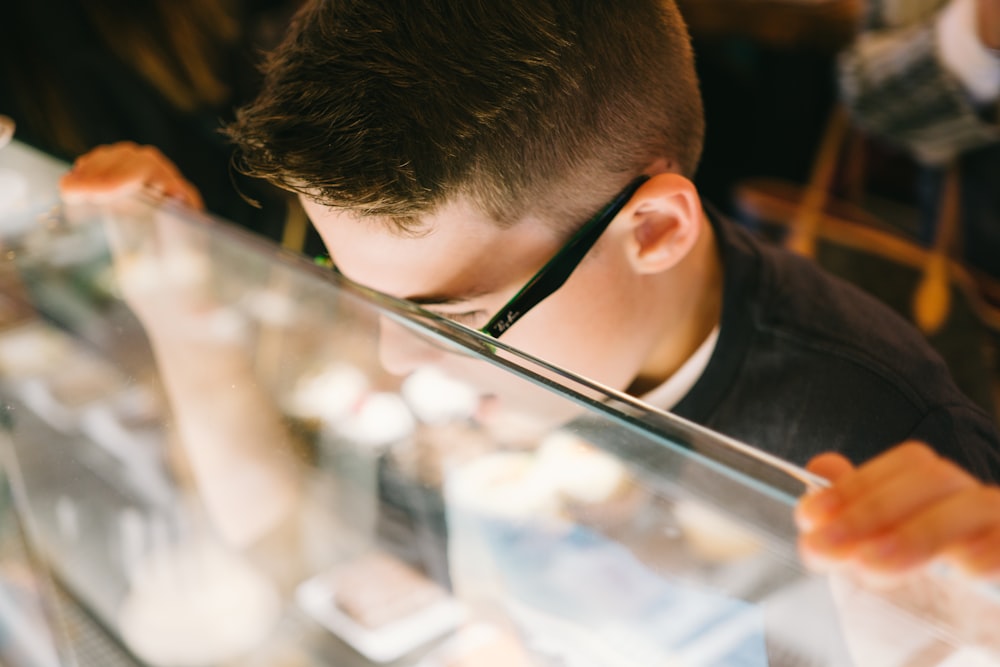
(898, 512)
(110, 171)
(162, 269)
(988, 13)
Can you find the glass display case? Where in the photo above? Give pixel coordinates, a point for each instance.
(220, 453)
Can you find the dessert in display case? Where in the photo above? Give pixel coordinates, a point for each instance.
(224, 454)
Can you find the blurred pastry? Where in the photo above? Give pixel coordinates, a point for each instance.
(504, 485)
(378, 590)
(328, 395)
(380, 419)
(582, 472)
(196, 605)
(595, 487)
(32, 349)
(713, 536)
(436, 398)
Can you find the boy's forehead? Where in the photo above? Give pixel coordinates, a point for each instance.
(456, 251)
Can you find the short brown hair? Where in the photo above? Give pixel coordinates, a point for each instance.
(392, 108)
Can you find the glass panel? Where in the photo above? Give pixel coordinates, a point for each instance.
(27, 621)
(222, 469)
(28, 181)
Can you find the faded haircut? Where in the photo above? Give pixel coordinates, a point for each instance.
(390, 109)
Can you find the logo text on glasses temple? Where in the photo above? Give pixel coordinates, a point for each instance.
(507, 321)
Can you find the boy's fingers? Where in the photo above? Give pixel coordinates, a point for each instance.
(893, 503)
(858, 483)
(980, 556)
(812, 509)
(186, 193)
(956, 520)
(111, 171)
(831, 466)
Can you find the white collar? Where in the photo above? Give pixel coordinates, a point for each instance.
(670, 393)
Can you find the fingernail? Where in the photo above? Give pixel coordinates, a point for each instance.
(821, 504)
(805, 523)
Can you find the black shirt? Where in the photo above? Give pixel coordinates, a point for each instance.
(807, 363)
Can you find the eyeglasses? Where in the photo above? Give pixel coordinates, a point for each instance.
(558, 269)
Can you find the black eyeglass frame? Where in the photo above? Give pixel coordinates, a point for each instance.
(557, 270)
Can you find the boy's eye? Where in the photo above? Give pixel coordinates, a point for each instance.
(469, 319)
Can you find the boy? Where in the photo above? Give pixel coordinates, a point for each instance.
(447, 150)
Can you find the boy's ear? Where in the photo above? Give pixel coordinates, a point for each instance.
(664, 221)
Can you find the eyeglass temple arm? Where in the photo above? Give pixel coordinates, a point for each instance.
(557, 270)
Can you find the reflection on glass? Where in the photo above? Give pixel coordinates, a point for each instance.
(222, 472)
(27, 624)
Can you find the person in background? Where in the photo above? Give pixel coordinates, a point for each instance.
(926, 76)
(478, 139)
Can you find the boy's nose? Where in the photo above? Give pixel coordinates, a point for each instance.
(402, 351)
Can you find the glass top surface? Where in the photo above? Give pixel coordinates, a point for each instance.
(221, 461)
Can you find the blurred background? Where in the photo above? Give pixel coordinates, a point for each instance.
(75, 74)
(861, 133)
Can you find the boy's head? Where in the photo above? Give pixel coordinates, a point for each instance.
(392, 108)
(446, 149)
